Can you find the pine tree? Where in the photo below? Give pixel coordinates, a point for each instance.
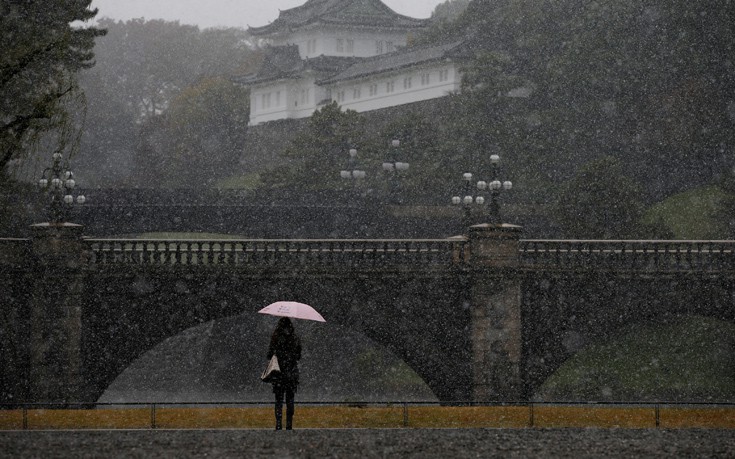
(42, 49)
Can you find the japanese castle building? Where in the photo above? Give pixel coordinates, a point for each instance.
(350, 51)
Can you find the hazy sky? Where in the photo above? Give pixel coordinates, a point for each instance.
(229, 13)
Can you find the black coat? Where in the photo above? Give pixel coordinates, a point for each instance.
(287, 347)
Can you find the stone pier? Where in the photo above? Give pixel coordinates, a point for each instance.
(56, 314)
(496, 312)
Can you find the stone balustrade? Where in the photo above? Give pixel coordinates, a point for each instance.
(535, 254)
(628, 255)
(376, 253)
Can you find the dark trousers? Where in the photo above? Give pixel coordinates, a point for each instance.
(280, 391)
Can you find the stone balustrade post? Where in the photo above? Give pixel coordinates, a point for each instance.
(55, 374)
(496, 312)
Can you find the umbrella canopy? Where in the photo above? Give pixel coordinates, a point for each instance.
(292, 309)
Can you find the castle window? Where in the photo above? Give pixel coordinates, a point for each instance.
(389, 87)
(373, 89)
(379, 47)
(356, 93)
(425, 79)
(340, 96)
(407, 83)
(340, 45)
(350, 45)
(389, 46)
(444, 75)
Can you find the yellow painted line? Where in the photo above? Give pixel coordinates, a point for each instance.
(11, 419)
(395, 416)
(137, 418)
(594, 416)
(714, 417)
(468, 417)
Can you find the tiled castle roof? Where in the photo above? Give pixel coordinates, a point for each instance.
(282, 62)
(355, 13)
(397, 60)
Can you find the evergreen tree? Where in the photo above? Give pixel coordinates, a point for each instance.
(600, 202)
(42, 51)
(315, 157)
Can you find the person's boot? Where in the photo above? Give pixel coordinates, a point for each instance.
(279, 416)
(289, 418)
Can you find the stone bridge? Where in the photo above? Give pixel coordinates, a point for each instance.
(483, 316)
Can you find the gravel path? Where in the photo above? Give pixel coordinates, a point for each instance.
(371, 443)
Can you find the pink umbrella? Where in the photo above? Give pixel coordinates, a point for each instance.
(292, 309)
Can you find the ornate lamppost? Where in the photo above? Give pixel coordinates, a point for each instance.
(467, 199)
(58, 182)
(352, 172)
(354, 175)
(494, 186)
(395, 169)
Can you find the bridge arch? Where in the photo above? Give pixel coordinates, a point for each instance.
(565, 313)
(422, 320)
(221, 361)
(684, 358)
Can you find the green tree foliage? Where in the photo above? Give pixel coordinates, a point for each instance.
(600, 202)
(449, 10)
(643, 81)
(199, 139)
(694, 214)
(686, 360)
(142, 68)
(147, 63)
(431, 167)
(315, 156)
(41, 52)
(550, 85)
(442, 19)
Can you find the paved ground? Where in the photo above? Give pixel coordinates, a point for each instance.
(377, 443)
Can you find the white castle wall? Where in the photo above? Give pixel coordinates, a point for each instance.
(343, 42)
(398, 88)
(290, 100)
(285, 100)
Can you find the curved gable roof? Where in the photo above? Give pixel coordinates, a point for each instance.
(344, 12)
(398, 60)
(284, 62)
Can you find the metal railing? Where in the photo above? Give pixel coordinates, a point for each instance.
(633, 255)
(265, 252)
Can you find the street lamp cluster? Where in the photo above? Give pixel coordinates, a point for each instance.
(471, 194)
(395, 170)
(353, 172)
(392, 166)
(493, 186)
(58, 181)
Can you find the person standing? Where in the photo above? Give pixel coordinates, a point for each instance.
(286, 346)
